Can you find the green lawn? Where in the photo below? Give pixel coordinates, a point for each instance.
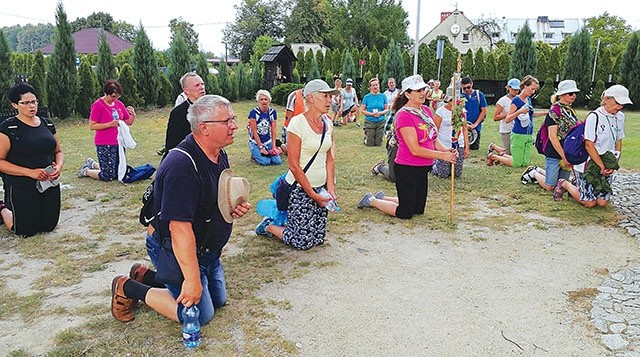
(257, 260)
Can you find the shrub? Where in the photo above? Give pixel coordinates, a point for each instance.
(280, 92)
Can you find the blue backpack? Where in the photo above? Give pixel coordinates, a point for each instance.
(138, 173)
(573, 146)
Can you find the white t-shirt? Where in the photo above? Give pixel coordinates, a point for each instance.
(391, 96)
(317, 172)
(610, 129)
(444, 133)
(505, 127)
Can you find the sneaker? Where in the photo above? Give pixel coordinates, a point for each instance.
(90, 163)
(375, 170)
(365, 201)
(261, 229)
(137, 272)
(379, 195)
(83, 171)
(559, 191)
(490, 148)
(121, 305)
(526, 176)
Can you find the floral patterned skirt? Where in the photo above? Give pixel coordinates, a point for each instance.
(307, 221)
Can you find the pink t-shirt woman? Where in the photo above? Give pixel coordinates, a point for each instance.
(103, 113)
(425, 129)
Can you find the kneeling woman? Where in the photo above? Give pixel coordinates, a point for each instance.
(418, 147)
(311, 167)
(262, 131)
(29, 152)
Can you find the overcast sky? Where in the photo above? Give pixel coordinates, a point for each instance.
(210, 16)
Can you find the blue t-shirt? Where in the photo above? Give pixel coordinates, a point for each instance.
(523, 124)
(374, 103)
(474, 103)
(263, 123)
(182, 194)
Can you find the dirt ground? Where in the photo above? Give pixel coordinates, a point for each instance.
(392, 291)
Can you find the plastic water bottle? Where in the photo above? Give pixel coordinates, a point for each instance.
(332, 205)
(191, 327)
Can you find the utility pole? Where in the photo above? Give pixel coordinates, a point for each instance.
(417, 45)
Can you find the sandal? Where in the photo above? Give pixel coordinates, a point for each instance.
(559, 191)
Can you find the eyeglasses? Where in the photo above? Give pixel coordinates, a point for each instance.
(572, 94)
(467, 87)
(232, 120)
(28, 102)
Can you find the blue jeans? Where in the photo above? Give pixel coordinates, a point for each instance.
(214, 290)
(263, 160)
(553, 172)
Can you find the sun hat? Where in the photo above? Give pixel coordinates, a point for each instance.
(414, 82)
(619, 93)
(232, 191)
(318, 85)
(513, 83)
(567, 86)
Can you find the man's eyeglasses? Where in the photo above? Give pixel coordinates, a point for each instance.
(467, 87)
(28, 102)
(229, 122)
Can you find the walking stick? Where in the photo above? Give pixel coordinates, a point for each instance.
(456, 123)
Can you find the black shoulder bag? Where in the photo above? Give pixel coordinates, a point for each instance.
(284, 188)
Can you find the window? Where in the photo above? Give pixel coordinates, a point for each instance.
(495, 34)
(548, 35)
(465, 38)
(556, 24)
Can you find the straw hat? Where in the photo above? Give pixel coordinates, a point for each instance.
(232, 191)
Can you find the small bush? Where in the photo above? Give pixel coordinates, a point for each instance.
(280, 92)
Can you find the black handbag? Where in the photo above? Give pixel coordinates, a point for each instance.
(283, 189)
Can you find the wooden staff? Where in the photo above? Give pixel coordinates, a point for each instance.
(454, 95)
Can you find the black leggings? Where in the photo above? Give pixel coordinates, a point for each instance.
(412, 184)
(33, 212)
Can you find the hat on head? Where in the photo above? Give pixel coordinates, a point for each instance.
(513, 83)
(318, 85)
(567, 86)
(232, 191)
(349, 81)
(448, 95)
(619, 93)
(414, 82)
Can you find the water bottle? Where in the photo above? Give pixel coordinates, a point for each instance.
(191, 327)
(332, 205)
(114, 114)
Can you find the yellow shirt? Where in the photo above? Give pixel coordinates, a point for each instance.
(317, 173)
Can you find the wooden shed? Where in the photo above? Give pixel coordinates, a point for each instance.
(278, 65)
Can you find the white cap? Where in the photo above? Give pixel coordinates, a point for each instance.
(567, 86)
(619, 93)
(318, 85)
(414, 82)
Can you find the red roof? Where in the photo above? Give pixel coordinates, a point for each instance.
(86, 41)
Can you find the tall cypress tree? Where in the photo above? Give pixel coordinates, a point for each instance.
(87, 84)
(203, 71)
(490, 65)
(393, 63)
(224, 80)
(179, 61)
(164, 91)
(256, 75)
(524, 59)
(37, 79)
(627, 60)
(105, 64)
(314, 72)
(468, 65)
(61, 70)
(6, 72)
(579, 68)
(348, 67)
(145, 68)
(128, 81)
(480, 65)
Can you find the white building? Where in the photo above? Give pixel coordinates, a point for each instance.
(295, 47)
(548, 30)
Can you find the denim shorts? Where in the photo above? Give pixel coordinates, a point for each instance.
(553, 172)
